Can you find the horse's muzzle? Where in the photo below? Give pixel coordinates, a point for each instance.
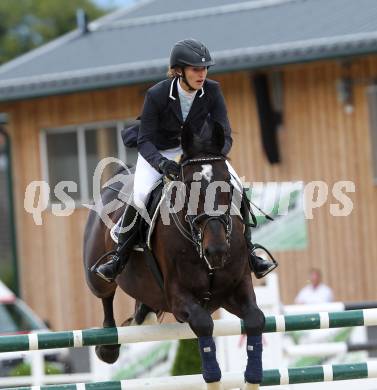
(216, 255)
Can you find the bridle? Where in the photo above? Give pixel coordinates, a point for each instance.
(196, 233)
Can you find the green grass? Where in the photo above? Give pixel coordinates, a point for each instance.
(187, 360)
(24, 369)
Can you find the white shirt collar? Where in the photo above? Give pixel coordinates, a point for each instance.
(172, 85)
(189, 94)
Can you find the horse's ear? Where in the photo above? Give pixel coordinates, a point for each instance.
(218, 136)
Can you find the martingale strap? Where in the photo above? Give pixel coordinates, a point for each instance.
(154, 267)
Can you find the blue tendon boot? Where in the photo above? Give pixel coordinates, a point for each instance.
(254, 370)
(210, 367)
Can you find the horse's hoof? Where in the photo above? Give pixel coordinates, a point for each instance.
(150, 319)
(250, 386)
(132, 322)
(108, 353)
(215, 386)
(128, 322)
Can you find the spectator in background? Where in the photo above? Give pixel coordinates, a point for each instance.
(316, 291)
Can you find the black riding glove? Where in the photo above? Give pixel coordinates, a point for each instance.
(169, 168)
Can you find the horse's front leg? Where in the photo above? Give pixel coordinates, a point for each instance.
(186, 309)
(108, 353)
(243, 304)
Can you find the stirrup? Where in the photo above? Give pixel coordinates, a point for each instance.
(95, 265)
(104, 277)
(260, 275)
(271, 259)
(115, 258)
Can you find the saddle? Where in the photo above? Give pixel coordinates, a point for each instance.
(122, 183)
(123, 187)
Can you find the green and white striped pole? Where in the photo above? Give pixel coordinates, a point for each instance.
(283, 376)
(134, 334)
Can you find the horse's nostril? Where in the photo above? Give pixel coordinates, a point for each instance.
(216, 250)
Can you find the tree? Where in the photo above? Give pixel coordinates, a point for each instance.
(26, 24)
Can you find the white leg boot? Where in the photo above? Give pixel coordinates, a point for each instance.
(250, 386)
(215, 386)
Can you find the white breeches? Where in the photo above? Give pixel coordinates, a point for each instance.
(146, 176)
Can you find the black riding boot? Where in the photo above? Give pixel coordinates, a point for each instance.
(114, 266)
(260, 266)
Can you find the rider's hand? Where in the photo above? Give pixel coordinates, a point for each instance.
(169, 168)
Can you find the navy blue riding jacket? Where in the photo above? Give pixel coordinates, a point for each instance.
(162, 123)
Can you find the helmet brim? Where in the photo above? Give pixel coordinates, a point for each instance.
(187, 63)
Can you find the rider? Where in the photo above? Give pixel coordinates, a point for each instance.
(185, 97)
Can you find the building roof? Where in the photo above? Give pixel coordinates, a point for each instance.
(132, 44)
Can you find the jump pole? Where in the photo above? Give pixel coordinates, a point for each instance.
(283, 376)
(176, 331)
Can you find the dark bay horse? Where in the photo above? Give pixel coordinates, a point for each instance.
(202, 256)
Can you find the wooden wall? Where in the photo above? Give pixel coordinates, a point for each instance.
(318, 142)
(50, 255)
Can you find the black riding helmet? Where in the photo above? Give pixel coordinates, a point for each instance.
(190, 52)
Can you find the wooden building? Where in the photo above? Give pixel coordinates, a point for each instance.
(321, 67)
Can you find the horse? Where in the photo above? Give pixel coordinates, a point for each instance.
(202, 258)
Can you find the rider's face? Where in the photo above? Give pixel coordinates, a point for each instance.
(196, 75)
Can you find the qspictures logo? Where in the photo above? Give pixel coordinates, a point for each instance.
(314, 195)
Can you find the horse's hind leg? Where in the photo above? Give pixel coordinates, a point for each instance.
(145, 315)
(243, 305)
(108, 353)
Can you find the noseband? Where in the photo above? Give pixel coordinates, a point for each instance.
(194, 221)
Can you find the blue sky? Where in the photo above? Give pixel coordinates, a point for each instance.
(114, 3)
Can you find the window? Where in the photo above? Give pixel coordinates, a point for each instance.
(99, 143)
(72, 154)
(63, 159)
